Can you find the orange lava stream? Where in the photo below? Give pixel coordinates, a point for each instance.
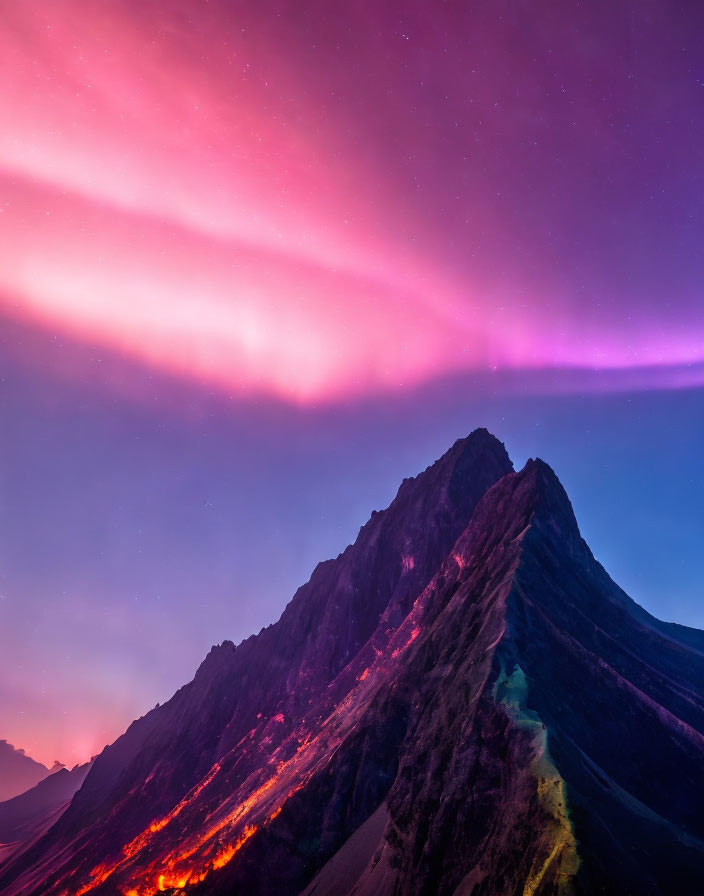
(175, 872)
(399, 650)
(101, 872)
(178, 869)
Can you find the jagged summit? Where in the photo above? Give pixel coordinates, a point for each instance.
(538, 497)
(462, 702)
(552, 502)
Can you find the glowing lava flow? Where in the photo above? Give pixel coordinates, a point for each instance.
(399, 650)
(178, 869)
(227, 854)
(207, 849)
(102, 872)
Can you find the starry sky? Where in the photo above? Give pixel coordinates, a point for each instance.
(260, 261)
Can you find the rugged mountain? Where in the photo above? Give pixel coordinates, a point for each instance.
(18, 771)
(267, 683)
(25, 816)
(462, 703)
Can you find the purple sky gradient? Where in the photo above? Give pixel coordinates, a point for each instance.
(260, 261)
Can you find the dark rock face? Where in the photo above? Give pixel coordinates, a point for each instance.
(461, 703)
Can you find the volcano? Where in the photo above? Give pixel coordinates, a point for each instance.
(462, 702)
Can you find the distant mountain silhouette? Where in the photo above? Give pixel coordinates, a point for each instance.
(462, 702)
(18, 771)
(32, 812)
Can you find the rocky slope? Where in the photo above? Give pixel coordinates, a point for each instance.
(462, 703)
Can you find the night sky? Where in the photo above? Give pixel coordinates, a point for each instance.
(258, 262)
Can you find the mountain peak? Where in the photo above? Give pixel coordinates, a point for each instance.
(552, 508)
(479, 441)
(470, 465)
(528, 504)
(478, 451)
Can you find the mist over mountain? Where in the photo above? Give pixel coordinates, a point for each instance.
(462, 702)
